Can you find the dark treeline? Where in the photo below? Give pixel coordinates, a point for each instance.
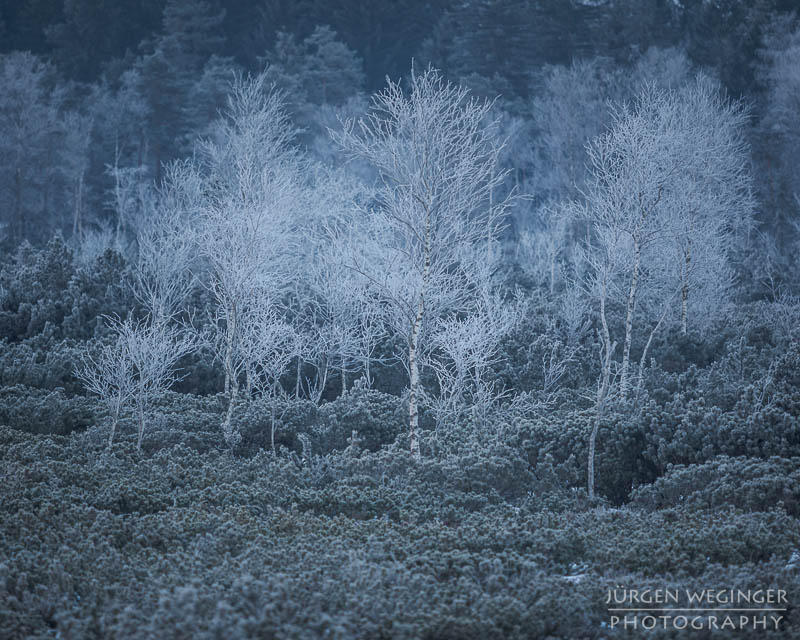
(113, 89)
(509, 38)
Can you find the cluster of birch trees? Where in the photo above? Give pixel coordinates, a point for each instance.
(314, 269)
(668, 196)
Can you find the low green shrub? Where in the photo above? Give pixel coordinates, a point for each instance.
(377, 417)
(42, 362)
(46, 412)
(743, 483)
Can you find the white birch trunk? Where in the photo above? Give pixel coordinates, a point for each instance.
(413, 368)
(630, 307)
(413, 345)
(643, 359)
(685, 289)
(141, 427)
(602, 391)
(227, 362)
(227, 429)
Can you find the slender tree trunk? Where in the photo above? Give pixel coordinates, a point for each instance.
(322, 379)
(413, 368)
(631, 305)
(118, 232)
(413, 350)
(231, 378)
(114, 420)
(227, 361)
(609, 348)
(77, 223)
(685, 288)
(489, 250)
(120, 201)
(297, 379)
(605, 382)
(227, 429)
(344, 376)
(141, 426)
(643, 359)
(273, 425)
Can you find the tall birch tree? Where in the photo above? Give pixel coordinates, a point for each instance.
(668, 190)
(423, 243)
(243, 192)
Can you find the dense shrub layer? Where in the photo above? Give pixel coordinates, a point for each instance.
(194, 542)
(340, 533)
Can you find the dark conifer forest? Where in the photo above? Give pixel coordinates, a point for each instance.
(399, 319)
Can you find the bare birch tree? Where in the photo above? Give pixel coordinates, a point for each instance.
(110, 375)
(154, 349)
(269, 347)
(668, 181)
(128, 197)
(349, 313)
(464, 350)
(713, 200)
(634, 169)
(419, 243)
(250, 190)
(162, 279)
(140, 364)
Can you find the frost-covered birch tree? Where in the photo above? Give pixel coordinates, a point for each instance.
(668, 181)
(714, 200)
(244, 190)
(269, 346)
(110, 376)
(465, 350)
(140, 363)
(154, 349)
(167, 247)
(419, 244)
(349, 313)
(667, 191)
